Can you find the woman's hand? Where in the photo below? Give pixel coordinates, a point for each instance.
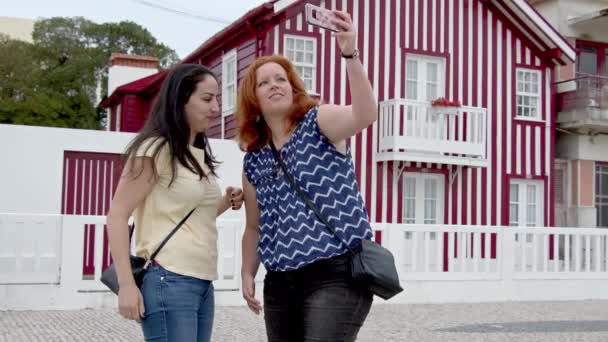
(131, 303)
(234, 196)
(248, 289)
(347, 39)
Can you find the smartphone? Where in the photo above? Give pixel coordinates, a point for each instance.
(321, 17)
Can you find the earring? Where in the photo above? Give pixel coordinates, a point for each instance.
(257, 118)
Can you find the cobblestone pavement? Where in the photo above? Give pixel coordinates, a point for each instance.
(490, 322)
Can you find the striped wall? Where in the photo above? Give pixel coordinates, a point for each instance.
(483, 51)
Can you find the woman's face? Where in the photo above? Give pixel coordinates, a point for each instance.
(273, 90)
(202, 105)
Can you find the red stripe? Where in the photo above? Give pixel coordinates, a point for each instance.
(400, 197)
(108, 185)
(457, 53)
(64, 192)
(429, 25)
(87, 179)
(394, 45)
(484, 97)
(464, 175)
(78, 188)
(474, 208)
(505, 118)
(551, 151)
(454, 188)
(94, 188)
(389, 193)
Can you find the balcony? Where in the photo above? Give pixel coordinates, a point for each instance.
(583, 104)
(415, 131)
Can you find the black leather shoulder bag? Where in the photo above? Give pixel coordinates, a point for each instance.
(139, 265)
(372, 265)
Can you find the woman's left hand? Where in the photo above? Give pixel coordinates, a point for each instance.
(235, 197)
(347, 39)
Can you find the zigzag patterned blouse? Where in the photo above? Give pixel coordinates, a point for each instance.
(291, 236)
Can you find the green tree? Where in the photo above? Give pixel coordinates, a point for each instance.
(53, 82)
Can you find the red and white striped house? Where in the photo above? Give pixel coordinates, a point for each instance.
(488, 162)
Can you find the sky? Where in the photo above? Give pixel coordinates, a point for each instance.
(181, 32)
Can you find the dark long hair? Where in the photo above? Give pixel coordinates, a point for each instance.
(167, 123)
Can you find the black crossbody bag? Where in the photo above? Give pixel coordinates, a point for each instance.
(371, 265)
(139, 265)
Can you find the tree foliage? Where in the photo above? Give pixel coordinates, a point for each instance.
(54, 80)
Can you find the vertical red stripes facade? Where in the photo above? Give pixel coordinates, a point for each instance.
(89, 181)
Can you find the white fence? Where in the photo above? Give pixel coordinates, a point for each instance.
(42, 259)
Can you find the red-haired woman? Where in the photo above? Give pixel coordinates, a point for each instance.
(308, 292)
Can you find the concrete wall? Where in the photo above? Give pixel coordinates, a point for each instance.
(558, 12)
(32, 163)
(17, 28)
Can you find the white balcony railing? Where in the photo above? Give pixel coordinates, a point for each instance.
(415, 131)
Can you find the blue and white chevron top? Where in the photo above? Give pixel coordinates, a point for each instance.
(291, 235)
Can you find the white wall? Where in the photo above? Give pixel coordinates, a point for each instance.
(119, 75)
(557, 13)
(31, 172)
(583, 147)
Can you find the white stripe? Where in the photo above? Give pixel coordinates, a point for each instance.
(323, 47)
(395, 199)
(299, 22)
(332, 63)
(353, 139)
(537, 157)
(65, 186)
(385, 185)
(536, 61)
(387, 47)
(105, 180)
(441, 27)
(407, 26)
(82, 187)
(527, 56)
(415, 23)
(376, 85)
(518, 51)
(288, 24)
(490, 119)
(97, 191)
(451, 48)
(366, 65)
(470, 57)
(433, 24)
(499, 115)
(90, 187)
(461, 52)
(276, 40)
(459, 196)
(343, 84)
(518, 149)
(398, 72)
(478, 194)
(469, 172)
(450, 196)
(479, 54)
(527, 150)
(509, 113)
(425, 17)
(549, 121)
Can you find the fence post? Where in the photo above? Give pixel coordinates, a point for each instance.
(506, 236)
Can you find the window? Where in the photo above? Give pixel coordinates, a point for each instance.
(601, 194)
(592, 58)
(528, 94)
(526, 206)
(425, 77)
(302, 52)
(229, 67)
(423, 198)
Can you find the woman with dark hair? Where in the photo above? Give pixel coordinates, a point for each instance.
(169, 171)
(309, 294)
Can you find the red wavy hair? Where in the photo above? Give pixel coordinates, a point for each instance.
(254, 134)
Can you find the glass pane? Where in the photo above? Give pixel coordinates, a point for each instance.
(431, 91)
(587, 60)
(412, 70)
(431, 72)
(602, 220)
(309, 57)
(411, 90)
(430, 189)
(299, 44)
(307, 72)
(513, 215)
(520, 86)
(309, 45)
(410, 187)
(290, 55)
(308, 84)
(534, 77)
(299, 56)
(531, 215)
(514, 193)
(290, 43)
(531, 194)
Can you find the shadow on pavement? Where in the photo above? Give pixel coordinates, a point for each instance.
(531, 327)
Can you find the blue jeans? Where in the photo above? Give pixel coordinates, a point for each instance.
(178, 307)
(318, 302)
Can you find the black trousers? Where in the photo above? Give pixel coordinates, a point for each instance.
(319, 302)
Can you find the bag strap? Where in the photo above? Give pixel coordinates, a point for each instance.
(305, 197)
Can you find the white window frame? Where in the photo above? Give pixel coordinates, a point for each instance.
(534, 98)
(522, 203)
(420, 197)
(421, 76)
(600, 198)
(303, 64)
(228, 84)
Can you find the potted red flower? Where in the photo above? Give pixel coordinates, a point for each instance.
(445, 106)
